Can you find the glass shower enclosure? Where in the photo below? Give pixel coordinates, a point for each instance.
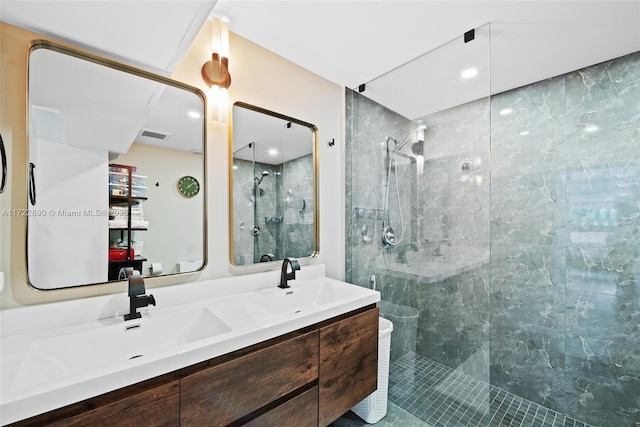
(502, 232)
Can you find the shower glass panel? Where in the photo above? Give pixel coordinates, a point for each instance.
(508, 259)
(257, 233)
(418, 228)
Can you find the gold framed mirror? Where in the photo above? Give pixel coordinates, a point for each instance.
(273, 187)
(107, 144)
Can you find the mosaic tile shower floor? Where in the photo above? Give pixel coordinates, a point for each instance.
(444, 397)
(424, 393)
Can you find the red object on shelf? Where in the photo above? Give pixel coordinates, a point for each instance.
(120, 254)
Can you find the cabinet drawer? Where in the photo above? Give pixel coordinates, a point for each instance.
(301, 411)
(348, 364)
(232, 390)
(157, 407)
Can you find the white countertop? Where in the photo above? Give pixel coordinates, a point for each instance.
(48, 367)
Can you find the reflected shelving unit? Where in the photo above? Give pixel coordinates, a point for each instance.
(127, 191)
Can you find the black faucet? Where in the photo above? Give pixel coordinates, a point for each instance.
(137, 297)
(284, 276)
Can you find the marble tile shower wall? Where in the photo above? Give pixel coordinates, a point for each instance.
(443, 204)
(453, 205)
(285, 227)
(556, 313)
(565, 224)
(247, 248)
(296, 196)
(368, 124)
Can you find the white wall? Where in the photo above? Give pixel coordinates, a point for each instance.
(175, 223)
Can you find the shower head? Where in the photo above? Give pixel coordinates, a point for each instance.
(388, 138)
(420, 131)
(417, 148)
(259, 180)
(396, 146)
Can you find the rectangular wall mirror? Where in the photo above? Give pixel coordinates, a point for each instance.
(273, 187)
(116, 171)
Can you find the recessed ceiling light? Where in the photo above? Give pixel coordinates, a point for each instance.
(469, 73)
(273, 152)
(194, 114)
(506, 111)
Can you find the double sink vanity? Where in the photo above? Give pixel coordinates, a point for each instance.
(238, 350)
(263, 355)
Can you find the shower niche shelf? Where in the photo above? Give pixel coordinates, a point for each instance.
(369, 213)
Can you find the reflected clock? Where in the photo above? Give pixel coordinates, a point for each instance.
(188, 186)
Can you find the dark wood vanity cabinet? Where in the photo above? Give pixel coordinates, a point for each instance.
(233, 390)
(348, 364)
(309, 377)
(157, 407)
(300, 411)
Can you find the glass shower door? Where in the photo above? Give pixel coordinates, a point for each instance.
(418, 174)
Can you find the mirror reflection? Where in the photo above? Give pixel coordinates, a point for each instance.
(273, 187)
(108, 146)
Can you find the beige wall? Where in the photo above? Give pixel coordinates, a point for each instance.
(175, 222)
(259, 77)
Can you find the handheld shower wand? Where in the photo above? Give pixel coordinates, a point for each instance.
(388, 235)
(259, 180)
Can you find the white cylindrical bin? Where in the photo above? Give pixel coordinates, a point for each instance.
(374, 407)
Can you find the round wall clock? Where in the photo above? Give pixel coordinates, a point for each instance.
(188, 186)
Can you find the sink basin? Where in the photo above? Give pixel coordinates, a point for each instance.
(303, 297)
(61, 356)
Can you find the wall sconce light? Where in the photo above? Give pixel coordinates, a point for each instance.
(215, 73)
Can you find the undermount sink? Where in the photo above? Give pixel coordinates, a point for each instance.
(60, 356)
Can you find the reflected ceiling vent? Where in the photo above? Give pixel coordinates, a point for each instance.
(151, 136)
(155, 135)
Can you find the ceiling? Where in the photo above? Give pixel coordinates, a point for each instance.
(92, 106)
(268, 139)
(149, 34)
(355, 42)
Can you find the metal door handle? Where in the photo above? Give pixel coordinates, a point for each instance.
(3, 154)
(32, 185)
